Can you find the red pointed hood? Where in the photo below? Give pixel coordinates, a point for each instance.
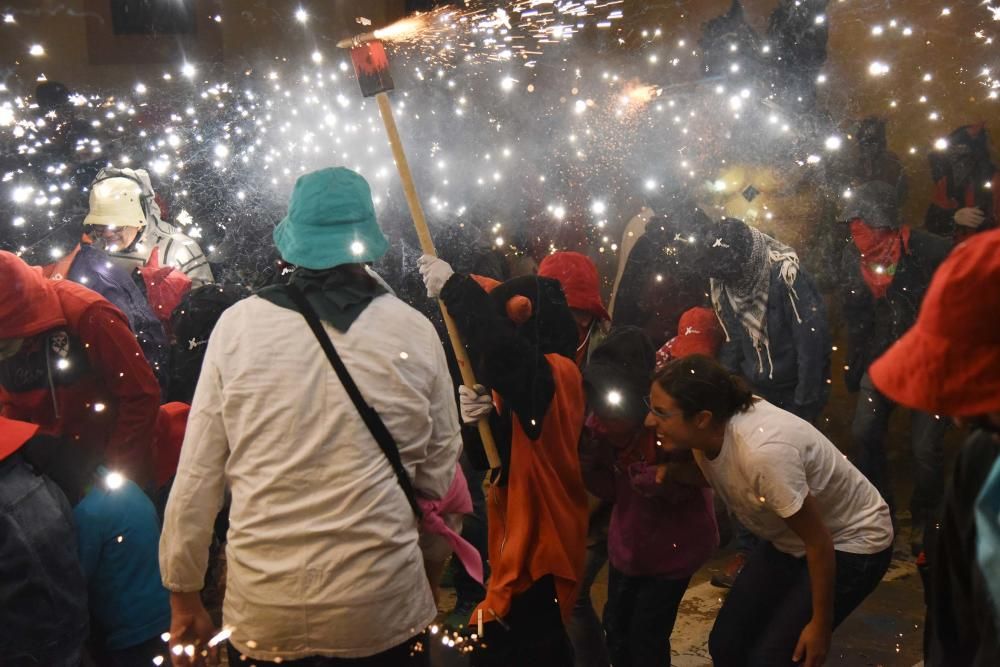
(580, 282)
(13, 434)
(30, 304)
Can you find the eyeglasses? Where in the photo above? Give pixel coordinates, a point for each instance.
(656, 412)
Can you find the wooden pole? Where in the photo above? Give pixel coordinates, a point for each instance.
(427, 245)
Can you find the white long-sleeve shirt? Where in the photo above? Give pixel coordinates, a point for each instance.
(323, 555)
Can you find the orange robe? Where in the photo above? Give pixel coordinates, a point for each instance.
(538, 522)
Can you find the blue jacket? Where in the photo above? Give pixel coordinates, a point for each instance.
(800, 345)
(43, 595)
(119, 549)
(92, 268)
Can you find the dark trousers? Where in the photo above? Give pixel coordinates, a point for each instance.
(468, 591)
(414, 652)
(585, 631)
(771, 602)
(869, 430)
(534, 633)
(639, 618)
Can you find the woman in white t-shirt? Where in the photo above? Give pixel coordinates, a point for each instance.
(826, 535)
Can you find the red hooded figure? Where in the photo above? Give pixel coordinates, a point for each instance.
(580, 282)
(70, 363)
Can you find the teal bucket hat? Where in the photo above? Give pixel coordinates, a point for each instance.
(330, 221)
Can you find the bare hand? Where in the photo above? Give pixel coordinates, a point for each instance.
(970, 217)
(662, 470)
(814, 644)
(191, 628)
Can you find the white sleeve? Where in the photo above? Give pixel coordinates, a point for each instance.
(198, 490)
(434, 474)
(779, 478)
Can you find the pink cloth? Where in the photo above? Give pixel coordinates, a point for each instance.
(456, 501)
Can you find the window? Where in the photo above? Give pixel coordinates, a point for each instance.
(153, 17)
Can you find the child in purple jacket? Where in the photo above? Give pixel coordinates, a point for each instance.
(662, 523)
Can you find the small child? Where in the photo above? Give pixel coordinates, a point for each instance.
(662, 523)
(119, 536)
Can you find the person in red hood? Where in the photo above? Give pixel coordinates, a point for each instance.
(69, 363)
(578, 277)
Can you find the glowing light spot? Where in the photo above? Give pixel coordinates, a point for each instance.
(598, 208)
(37, 50)
(301, 15)
(357, 248)
(188, 70)
(941, 144)
(614, 397)
(833, 143)
(99, 407)
(114, 480)
(878, 68)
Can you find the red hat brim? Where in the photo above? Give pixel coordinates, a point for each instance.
(13, 434)
(939, 375)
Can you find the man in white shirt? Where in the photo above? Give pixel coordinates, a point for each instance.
(323, 551)
(826, 536)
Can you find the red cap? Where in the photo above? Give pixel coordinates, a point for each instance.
(949, 362)
(698, 332)
(580, 282)
(13, 434)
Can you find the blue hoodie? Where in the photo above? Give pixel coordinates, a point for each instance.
(119, 537)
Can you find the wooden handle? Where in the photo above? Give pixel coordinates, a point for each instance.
(427, 245)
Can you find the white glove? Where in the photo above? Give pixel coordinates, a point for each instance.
(435, 273)
(474, 402)
(969, 217)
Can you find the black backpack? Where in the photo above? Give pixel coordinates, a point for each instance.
(192, 323)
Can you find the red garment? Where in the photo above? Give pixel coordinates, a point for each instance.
(949, 361)
(698, 332)
(13, 434)
(113, 373)
(880, 250)
(165, 288)
(168, 436)
(538, 522)
(580, 282)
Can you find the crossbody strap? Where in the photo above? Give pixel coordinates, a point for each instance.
(368, 414)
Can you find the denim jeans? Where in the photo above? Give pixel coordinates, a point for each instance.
(871, 423)
(771, 602)
(585, 631)
(403, 655)
(639, 618)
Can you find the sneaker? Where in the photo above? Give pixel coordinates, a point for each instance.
(732, 570)
(459, 616)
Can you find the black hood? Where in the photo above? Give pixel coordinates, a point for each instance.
(876, 203)
(551, 327)
(619, 374)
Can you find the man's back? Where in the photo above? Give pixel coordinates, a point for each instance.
(323, 553)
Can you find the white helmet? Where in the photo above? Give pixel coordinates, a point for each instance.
(116, 202)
